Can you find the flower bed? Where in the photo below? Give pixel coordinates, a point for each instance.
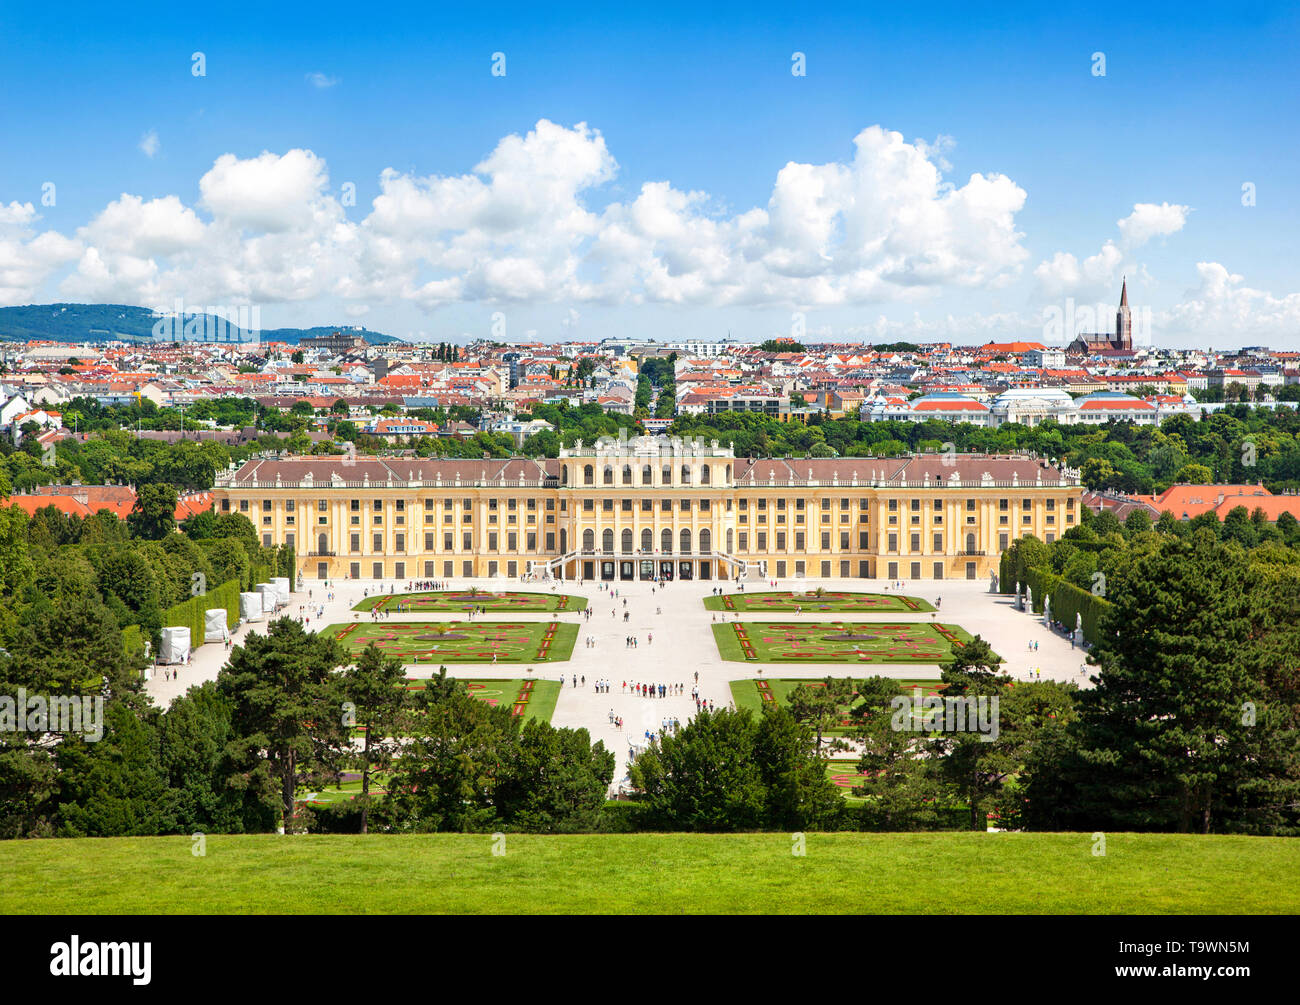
(746, 646)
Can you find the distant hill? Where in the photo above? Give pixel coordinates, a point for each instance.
(120, 323)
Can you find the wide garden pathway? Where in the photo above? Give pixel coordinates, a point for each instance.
(682, 645)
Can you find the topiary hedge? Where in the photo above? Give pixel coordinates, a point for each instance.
(1068, 601)
(190, 613)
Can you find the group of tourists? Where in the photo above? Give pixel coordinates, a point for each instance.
(427, 586)
(653, 690)
(602, 686)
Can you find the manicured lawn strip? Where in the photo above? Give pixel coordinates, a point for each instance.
(924, 642)
(539, 703)
(347, 790)
(460, 600)
(542, 704)
(524, 642)
(833, 602)
(967, 873)
(845, 775)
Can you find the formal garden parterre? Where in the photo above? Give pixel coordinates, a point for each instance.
(416, 642)
(472, 599)
(860, 642)
(818, 601)
(533, 698)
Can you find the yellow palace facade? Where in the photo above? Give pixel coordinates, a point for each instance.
(651, 507)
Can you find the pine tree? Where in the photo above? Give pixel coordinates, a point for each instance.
(1183, 724)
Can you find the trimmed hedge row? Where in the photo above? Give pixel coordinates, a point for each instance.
(133, 640)
(1068, 601)
(189, 614)
(1006, 574)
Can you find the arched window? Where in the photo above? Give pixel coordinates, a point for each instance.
(588, 540)
(564, 540)
(668, 475)
(666, 541)
(728, 474)
(564, 475)
(706, 541)
(609, 475)
(627, 542)
(588, 475)
(647, 541)
(686, 474)
(627, 474)
(607, 542)
(970, 544)
(685, 541)
(704, 475)
(647, 475)
(322, 544)
(729, 540)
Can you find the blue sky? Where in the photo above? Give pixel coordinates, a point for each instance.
(1194, 104)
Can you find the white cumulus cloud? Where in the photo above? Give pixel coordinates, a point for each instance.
(531, 223)
(1149, 220)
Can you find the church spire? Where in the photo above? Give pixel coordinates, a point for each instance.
(1123, 294)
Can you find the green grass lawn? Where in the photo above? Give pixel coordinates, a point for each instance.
(816, 642)
(346, 790)
(831, 601)
(465, 641)
(541, 699)
(748, 694)
(463, 600)
(844, 774)
(967, 873)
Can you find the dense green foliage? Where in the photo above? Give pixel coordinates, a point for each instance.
(732, 770)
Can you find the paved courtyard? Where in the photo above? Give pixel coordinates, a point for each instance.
(675, 616)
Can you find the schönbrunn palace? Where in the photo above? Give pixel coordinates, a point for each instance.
(651, 506)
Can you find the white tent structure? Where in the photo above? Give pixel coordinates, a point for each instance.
(269, 597)
(214, 625)
(281, 584)
(250, 607)
(175, 646)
